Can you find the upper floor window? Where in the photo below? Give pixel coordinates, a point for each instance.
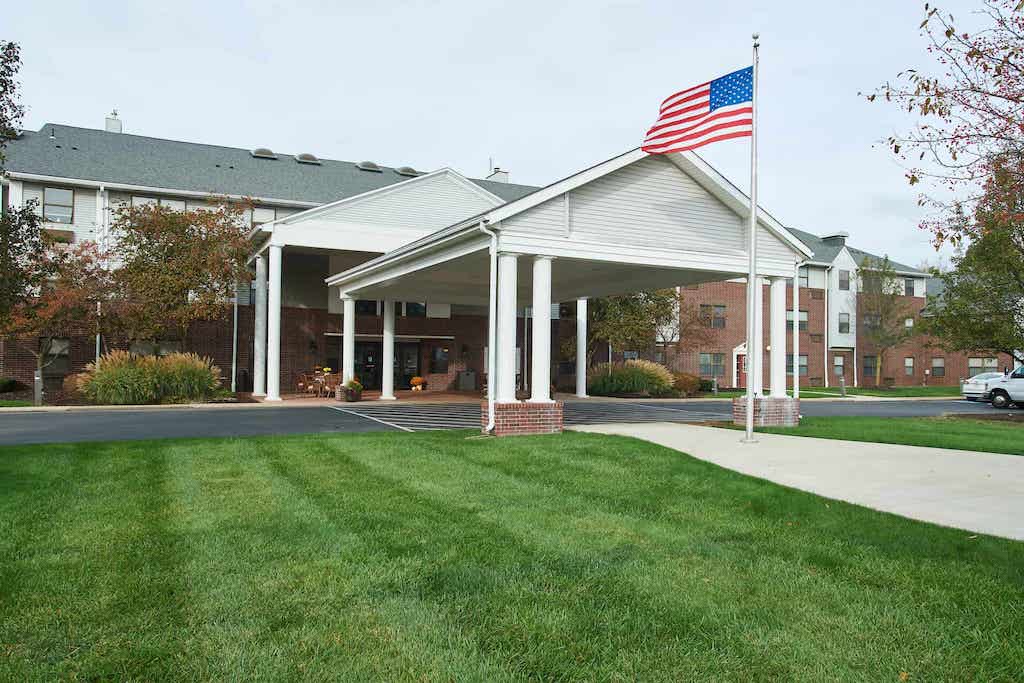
(872, 321)
(58, 205)
(366, 307)
(713, 315)
(144, 201)
(844, 323)
(908, 286)
(908, 323)
(802, 319)
(844, 280)
(803, 280)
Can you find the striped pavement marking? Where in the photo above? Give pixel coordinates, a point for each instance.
(435, 416)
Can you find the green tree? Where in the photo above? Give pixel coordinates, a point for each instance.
(632, 321)
(883, 309)
(11, 109)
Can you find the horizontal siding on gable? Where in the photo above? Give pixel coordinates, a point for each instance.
(651, 203)
(422, 206)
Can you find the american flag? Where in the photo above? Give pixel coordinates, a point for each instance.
(721, 109)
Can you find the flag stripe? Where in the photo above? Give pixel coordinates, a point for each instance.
(686, 147)
(695, 121)
(671, 99)
(703, 93)
(742, 124)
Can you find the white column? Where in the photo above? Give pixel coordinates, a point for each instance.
(274, 326)
(506, 337)
(777, 370)
(796, 332)
(755, 356)
(387, 357)
(348, 338)
(581, 348)
(259, 343)
(541, 370)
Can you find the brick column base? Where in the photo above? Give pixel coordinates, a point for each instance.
(523, 417)
(769, 411)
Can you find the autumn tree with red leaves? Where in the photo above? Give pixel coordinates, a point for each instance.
(176, 267)
(970, 106)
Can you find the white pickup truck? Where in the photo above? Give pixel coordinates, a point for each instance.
(1007, 390)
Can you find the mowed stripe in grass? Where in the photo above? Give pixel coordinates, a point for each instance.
(437, 557)
(936, 432)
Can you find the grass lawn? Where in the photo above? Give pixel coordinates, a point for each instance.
(436, 557)
(939, 432)
(4, 403)
(894, 392)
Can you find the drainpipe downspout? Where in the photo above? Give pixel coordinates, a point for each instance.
(492, 319)
(234, 344)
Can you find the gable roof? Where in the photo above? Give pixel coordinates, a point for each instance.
(826, 251)
(101, 156)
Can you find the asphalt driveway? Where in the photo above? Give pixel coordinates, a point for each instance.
(150, 423)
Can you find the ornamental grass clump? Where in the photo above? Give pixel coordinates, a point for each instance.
(634, 377)
(124, 378)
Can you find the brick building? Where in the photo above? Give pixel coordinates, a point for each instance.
(318, 217)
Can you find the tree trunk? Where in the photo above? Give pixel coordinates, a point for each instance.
(37, 382)
(878, 370)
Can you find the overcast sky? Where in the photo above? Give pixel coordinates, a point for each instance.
(545, 88)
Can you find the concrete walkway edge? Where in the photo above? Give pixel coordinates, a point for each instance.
(974, 491)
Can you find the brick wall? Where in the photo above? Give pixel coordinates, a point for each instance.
(769, 411)
(523, 417)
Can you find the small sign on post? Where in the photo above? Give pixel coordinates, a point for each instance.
(842, 387)
(38, 388)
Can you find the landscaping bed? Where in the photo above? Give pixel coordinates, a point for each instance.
(435, 556)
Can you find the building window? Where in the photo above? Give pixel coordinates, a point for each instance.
(803, 279)
(138, 201)
(908, 366)
(415, 310)
(58, 205)
(838, 365)
(173, 204)
(844, 323)
(366, 307)
(870, 366)
(803, 320)
(712, 364)
(872, 321)
(938, 367)
(160, 347)
(908, 286)
(630, 355)
(57, 360)
(976, 366)
(908, 323)
(439, 359)
(803, 364)
(713, 315)
(844, 280)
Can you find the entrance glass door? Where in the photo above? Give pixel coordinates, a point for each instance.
(407, 363)
(367, 364)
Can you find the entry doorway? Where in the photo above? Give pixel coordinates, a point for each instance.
(368, 369)
(741, 371)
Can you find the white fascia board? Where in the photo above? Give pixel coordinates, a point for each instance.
(729, 265)
(79, 182)
(359, 277)
(730, 195)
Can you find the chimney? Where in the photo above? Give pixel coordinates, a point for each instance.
(836, 238)
(498, 175)
(113, 123)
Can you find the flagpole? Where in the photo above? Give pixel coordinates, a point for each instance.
(753, 364)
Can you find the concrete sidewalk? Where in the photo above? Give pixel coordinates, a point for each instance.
(981, 492)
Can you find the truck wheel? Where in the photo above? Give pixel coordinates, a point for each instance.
(1000, 399)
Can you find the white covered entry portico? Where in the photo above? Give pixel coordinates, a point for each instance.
(633, 222)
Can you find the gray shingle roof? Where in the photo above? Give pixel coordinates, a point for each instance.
(826, 251)
(97, 155)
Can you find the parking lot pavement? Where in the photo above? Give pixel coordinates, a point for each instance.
(114, 425)
(118, 425)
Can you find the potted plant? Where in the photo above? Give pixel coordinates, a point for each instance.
(417, 383)
(353, 390)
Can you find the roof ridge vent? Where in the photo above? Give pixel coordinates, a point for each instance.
(307, 158)
(263, 153)
(840, 236)
(407, 171)
(369, 166)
